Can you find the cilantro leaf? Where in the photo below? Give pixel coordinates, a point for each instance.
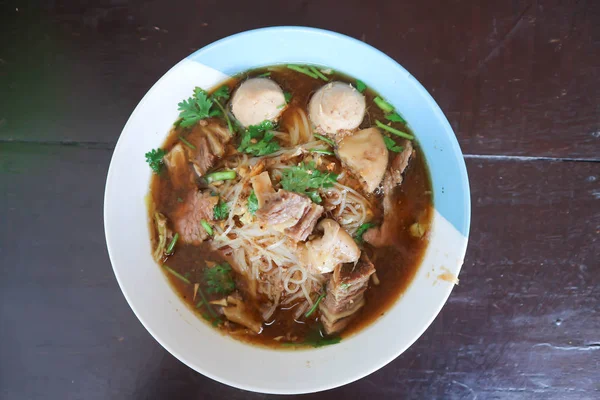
(221, 94)
(360, 86)
(155, 159)
(220, 211)
(252, 203)
(306, 176)
(219, 279)
(391, 144)
(201, 106)
(358, 236)
(315, 338)
(287, 96)
(258, 141)
(395, 117)
(194, 108)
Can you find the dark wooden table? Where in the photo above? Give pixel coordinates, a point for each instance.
(520, 84)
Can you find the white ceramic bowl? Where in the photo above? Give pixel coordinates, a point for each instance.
(200, 346)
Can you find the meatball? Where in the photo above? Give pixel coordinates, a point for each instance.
(257, 100)
(336, 107)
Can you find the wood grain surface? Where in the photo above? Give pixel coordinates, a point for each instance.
(520, 84)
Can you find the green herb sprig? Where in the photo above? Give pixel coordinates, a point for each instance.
(219, 279)
(358, 236)
(304, 177)
(258, 140)
(154, 158)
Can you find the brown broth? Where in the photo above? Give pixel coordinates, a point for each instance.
(395, 266)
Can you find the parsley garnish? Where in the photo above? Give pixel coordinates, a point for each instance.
(211, 316)
(221, 94)
(391, 145)
(219, 279)
(360, 86)
(220, 211)
(194, 108)
(358, 236)
(201, 106)
(287, 96)
(155, 159)
(258, 140)
(315, 338)
(252, 203)
(306, 176)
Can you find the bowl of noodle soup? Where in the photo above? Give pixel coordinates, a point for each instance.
(281, 216)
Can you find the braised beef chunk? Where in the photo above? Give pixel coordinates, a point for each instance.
(345, 294)
(398, 165)
(209, 140)
(383, 235)
(291, 213)
(186, 218)
(283, 207)
(307, 223)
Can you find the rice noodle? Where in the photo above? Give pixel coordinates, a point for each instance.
(270, 260)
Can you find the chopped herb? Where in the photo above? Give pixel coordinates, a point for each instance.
(219, 279)
(214, 321)
(303, 70)
(252, 203)
(176, 274)
(171, 245)
(220, 176)
(221, 94)
(263, 75)
(391, 145)
(384, 105)
(258, 140)
(321, 151)
(226, 115)
(325, 139)
(360, 86)
(358, 236)
(194, 108)
(318, 73)
(207, 227)
(287, 96)
(211, 316)
(394, 131)
(188, 144)
(179, 200)
(201, 106)
(315, 338)
(395, 117)
(154, 158)
(306, 176)
(220, 211)
(314, 307)
(345, 286)
(324, 341)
